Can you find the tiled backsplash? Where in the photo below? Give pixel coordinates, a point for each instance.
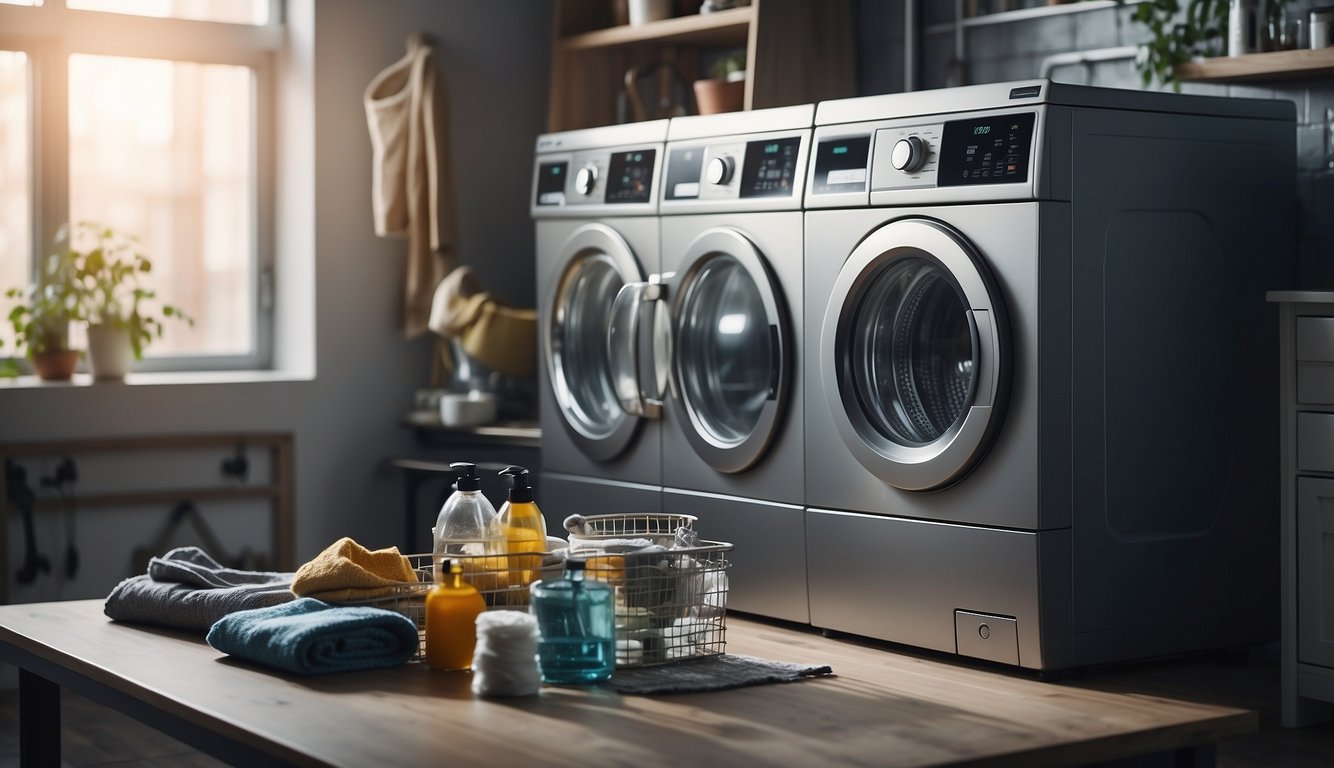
(1017, 50)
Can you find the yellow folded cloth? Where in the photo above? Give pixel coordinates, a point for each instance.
(347, 572)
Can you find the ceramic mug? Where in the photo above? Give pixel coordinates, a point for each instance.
(644, 11)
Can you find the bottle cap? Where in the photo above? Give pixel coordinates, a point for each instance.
(521, 488)
(468, 479)
(574, 564)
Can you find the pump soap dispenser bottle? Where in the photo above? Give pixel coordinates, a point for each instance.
(525, 529)
(468, 525)
(452, 608)
(577, 621)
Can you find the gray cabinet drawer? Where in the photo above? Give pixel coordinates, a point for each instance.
(1315, 442)
(1315, 383)
(1315, 571)
(1315, 339)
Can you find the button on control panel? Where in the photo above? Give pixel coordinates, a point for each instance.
(905, 157)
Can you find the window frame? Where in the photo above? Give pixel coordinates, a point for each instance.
(50, 33)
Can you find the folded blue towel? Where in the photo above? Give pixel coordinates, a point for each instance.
(311, 637)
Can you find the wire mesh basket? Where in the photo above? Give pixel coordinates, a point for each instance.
(671, 601)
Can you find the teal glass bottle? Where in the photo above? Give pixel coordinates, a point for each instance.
(578, 624)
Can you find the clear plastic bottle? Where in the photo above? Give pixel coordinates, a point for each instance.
(577, 621)
(467, 525)
(524, 527)
(452, 608)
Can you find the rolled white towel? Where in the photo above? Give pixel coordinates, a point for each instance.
(504, 661)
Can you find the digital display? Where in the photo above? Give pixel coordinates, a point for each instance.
(771, 167)
(551, 183)
(986, 150)
(630, 176)
(840, 165)
(683, 169)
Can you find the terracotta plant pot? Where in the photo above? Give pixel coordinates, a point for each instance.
(108, 352)
(717, 95)
(55, 366)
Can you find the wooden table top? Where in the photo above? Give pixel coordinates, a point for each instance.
(880, 708)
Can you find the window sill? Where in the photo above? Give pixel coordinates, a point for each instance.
(158, 378)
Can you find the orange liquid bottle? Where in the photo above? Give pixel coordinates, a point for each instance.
(525, 529)
(452, 608)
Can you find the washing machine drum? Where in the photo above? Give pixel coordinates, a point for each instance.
(581, 371)
(916, 347)
(731, 350)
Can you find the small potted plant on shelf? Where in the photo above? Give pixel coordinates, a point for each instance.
(726, 90)
(123, 316)
(40, 317)
(1181, 31)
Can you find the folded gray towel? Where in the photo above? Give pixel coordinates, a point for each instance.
(193, 566)
(714, 673)
(187, 589)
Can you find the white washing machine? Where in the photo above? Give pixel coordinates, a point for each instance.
(728, 309)
(595, 205)
(1041, 393)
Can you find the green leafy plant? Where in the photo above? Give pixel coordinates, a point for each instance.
(724, 67)
(42, 312)
(1182, 31)
(107, 279)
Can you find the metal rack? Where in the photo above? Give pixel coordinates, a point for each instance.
(279, 490)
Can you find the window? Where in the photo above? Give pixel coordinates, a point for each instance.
(154, 118)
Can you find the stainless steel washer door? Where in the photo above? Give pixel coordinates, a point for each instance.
(597, 262)
(730, 350)
(914, 354)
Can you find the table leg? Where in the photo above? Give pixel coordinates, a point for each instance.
(39, 721)
(1198, 756)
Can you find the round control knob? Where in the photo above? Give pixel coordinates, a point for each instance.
(719, 171)
(909, 154)
(586, 179)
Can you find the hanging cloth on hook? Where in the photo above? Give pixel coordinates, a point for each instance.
(411, 189)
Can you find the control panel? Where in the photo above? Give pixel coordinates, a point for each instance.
(905, 154)
(620, 177)
(762, 171)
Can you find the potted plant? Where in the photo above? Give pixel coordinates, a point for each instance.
(41, 317)
(123, 316)
(1182, 30)
(726, 90)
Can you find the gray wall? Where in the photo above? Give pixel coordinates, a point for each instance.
(1015, 50)
(345, 419)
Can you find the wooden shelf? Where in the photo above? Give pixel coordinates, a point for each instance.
(1279, 65)
(797, 51)
(728, 27)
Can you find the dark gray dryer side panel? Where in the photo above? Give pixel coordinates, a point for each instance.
(1174, 378)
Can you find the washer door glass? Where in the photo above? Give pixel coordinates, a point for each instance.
(913, 352)
(583, 313)
(724, 351)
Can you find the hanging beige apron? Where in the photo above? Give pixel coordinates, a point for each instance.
(410, 188)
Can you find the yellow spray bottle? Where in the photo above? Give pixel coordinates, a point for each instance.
(525, 529)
